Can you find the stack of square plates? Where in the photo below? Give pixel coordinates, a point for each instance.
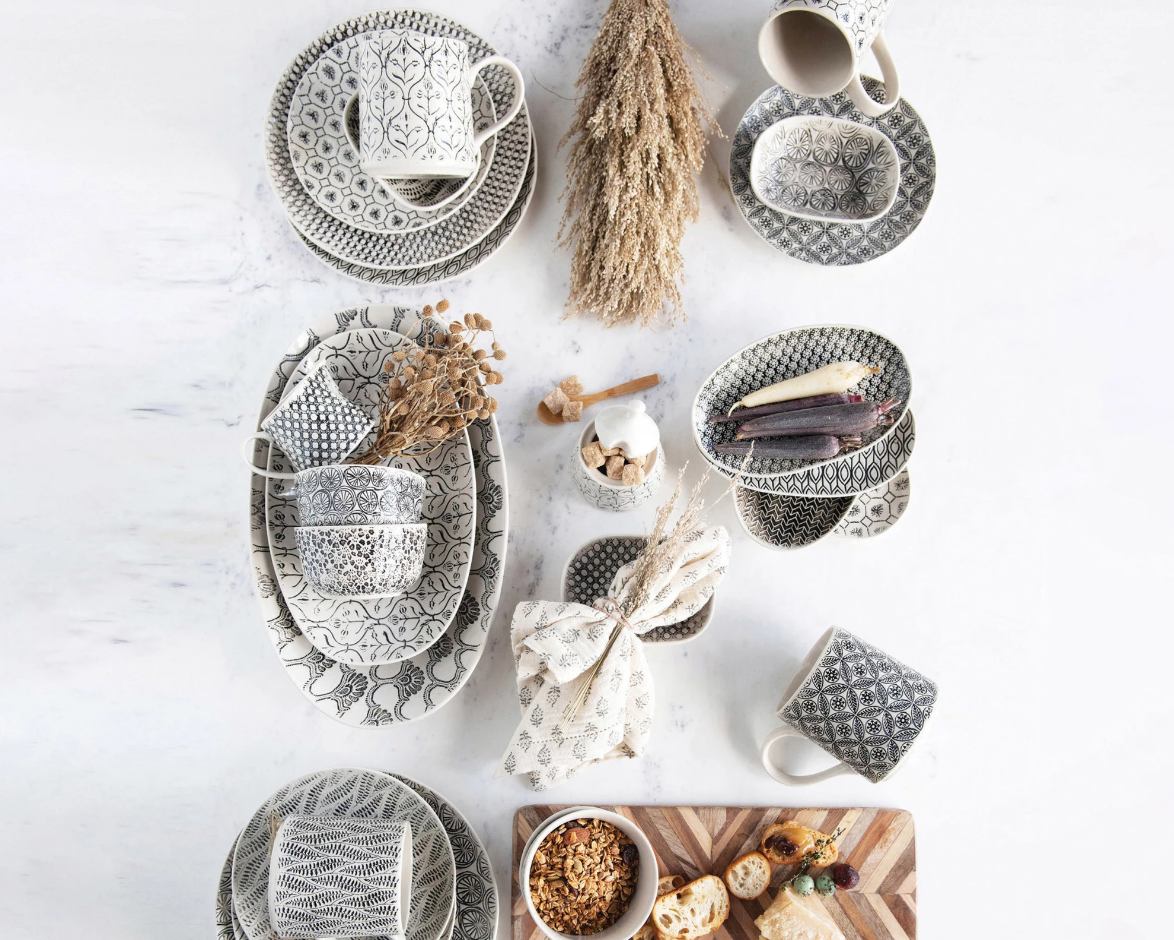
(347, 218)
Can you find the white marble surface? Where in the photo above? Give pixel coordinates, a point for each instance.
(150, 282)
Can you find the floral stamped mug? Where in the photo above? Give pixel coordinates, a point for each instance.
(415, 110)
(814, 47)
(857, 703)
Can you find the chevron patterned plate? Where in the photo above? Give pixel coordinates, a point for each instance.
(700, 840)
(781, 522)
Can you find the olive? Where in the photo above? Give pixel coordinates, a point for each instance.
(845, 875)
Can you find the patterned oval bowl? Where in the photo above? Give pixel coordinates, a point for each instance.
(825, 169)
(362, 561)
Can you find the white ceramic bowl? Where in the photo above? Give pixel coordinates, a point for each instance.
(640, 907)
(601, 491)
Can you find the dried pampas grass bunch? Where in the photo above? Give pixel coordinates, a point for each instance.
(638, 143)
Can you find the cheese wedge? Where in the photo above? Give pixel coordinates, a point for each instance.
(794, 917)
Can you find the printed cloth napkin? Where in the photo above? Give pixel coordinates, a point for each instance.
(557, 644)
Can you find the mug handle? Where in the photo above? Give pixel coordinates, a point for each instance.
(247, 454)
(794, 780)
(519, 94)
(864, 102)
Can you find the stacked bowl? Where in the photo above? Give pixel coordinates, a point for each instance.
(791, 503)
(354, 853)
(397, 231)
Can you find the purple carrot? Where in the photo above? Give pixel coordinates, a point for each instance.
(779, 407)
(806, 447)
(833, 419)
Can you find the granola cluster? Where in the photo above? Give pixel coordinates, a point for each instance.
(583, 876)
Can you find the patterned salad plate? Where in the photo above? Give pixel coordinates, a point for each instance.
(589, 573)
(380, 630)
(405, 691)
(456, 266)
(835, 242)
(350, 794)
(877, 510)
(783, 522)
(786, 355)
(446, 238)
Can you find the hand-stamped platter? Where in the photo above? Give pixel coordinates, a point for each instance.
(876, 511)
(383, 630)
(785, 522)
(409, 690)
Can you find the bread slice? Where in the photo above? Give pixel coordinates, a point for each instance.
(692, 911)
(794, 917)
(664, 885)
(748, 876)
(803, 838)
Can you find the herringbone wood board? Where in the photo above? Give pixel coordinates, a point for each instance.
(700, 840)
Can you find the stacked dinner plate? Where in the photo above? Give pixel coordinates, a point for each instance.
(348, 219)
(452, 894)
(785, 504)
(384, 660)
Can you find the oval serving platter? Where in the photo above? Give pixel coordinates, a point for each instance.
(385, 630)
(783, 356)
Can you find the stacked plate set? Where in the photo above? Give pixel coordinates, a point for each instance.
(376, 659)
(395, 231)
(791, 503)
(354, 853)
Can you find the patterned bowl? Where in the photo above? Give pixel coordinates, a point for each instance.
(601, 491)
(362, 561)
(825, 169)
(357, 494)
(784, 522)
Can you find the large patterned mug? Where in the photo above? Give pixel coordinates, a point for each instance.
(814, 47)
(415, 106)
(858, 704)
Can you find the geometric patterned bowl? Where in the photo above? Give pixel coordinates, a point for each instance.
(358, 494)
(362, 561)
(825, 169)
(784, 522)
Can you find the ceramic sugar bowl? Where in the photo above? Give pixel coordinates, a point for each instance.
(618, 464)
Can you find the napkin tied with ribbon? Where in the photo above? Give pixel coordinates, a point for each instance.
(556, 647)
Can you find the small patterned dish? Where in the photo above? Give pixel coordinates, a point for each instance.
(361, 561)
(878, 510)
(785, 522)
(826, 169)
(604, 493)
(589, 572)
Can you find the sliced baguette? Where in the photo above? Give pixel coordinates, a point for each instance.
(794, 917)
(803, 838)
(664, 885)
(692, 911)
(748, 876)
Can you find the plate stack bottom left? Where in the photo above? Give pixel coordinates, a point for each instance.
(452, 894)
(369, 229)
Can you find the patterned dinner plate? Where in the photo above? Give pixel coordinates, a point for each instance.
(836, 243)
(786, 355)
(372, 631)
(327, 162)
(450, 236)
(227, 925)
(784, 522)
(348, 793)
(589, 573)
(406, 691)
(456, 266)
(878, 510)
(858, 472)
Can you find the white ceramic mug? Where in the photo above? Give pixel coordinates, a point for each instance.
(415, 106)
(858, 704)
(814, 47)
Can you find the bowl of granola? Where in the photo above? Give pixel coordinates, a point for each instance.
(588, 872)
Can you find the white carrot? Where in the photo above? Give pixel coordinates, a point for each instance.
(837, 377)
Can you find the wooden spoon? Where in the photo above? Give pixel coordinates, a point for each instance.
(546, 416)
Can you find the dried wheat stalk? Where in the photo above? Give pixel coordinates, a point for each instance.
(638, 143)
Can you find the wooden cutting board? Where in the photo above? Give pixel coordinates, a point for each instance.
(700, 840)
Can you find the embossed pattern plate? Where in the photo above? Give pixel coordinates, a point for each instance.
(836, 243)
(380, 630)
(347, 793)
(406, 691)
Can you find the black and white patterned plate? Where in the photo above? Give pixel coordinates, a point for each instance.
(452, 235)
(227, 925)
(445, 270)
(782, 522)
(878, 510)
(836, 243)
(589, 573)
(349, 793)
(859, 471)
(327, 162)
(384, 695)
(783, 356)
(380, 630)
